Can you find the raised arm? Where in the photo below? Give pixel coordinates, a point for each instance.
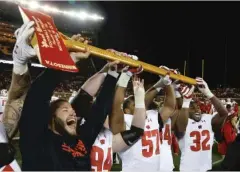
(20, 79)
(87, 92)
(154, 90)
(178, 106)
(125, 139)
(222, 113)
(12, 112)
(116, 118)
(100, 109)
(36, 113)
(169, 102)
(183, 115)
(92, 85)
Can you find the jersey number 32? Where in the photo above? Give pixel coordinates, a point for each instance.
(200, 140)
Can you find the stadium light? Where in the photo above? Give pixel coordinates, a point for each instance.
(83, 15)
(96, 17)
(55, 10)
(46, 8)
(23, 2)
(72, 13)
(34, 5)
(11, 62)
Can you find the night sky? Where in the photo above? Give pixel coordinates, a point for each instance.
(167, 33)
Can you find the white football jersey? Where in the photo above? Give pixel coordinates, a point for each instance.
(3, 101)
(196, 145)
(101, 153)
(13, 166)
(144, 154)
(166, 159)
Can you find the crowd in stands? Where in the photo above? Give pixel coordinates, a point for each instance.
(63, 88)
(227, 92)
(73, 85)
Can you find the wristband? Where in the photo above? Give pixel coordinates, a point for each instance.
(19, 69)
(209, 95)
(178, 95)
(139, 101)
(113, 73)
(123, 80)
(186, 104)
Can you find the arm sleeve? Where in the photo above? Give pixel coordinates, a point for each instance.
(99, 111)
(82, 104)
(35, 113)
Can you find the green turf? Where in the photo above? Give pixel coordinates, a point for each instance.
(117, 167)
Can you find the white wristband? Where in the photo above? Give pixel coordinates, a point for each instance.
(177, 94)
(139, 100)
(113, 73)
(186, 104)
(210, 95)
(139, 104)
(123, 80)
(19, 69)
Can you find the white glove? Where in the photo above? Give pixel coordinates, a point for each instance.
(164, 81)
(187, 94)
(139, 93)
(203, 88)
(22, 51)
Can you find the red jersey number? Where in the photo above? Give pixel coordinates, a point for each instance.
(167, 134)
(97, 158)
(197, 143)
(148, 145)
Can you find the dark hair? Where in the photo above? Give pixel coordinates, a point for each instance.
(127, 102)
(54, 105)
(192, 103)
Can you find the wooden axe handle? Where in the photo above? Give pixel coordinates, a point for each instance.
(107, 55)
